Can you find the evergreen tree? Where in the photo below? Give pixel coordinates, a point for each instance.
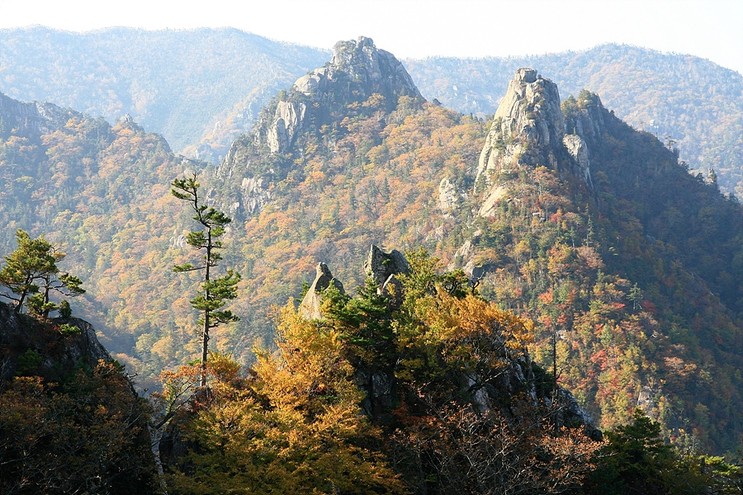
(31, 274)
(215, 291)
(636, 459)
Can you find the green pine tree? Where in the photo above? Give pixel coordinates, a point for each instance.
(215, 291)
(31, 274)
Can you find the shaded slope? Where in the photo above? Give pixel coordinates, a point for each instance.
(627, 261)
(70, 419)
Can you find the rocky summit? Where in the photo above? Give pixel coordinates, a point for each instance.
(360, 79)
(528, 130)
(357, 71)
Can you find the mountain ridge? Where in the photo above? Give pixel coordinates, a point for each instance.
(706, 131)
(636, 180)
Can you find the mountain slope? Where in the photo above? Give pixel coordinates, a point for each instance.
(183, 84)
(596, 231)
(70, 420)
(202, 88)
(630, 266)
(99, 192)
(571, 217)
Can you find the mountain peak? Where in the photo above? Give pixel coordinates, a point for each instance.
(364, 69)
(526, 75)
(356, 71)
(529, 130)
(358, 81)
(531, 109)
(348, 53)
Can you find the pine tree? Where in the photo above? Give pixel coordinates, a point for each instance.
(31, 274)
(215, 291)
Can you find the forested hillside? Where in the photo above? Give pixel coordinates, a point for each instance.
(628, 265)
(583, 225)
(70, 420)
(99, 192)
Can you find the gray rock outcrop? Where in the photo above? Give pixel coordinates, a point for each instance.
(357, 71)
(449, 197)
(255, 195)
(310, 307)
(288, 119)
(585, 118)
(381, 266)
(579, 151)
(31, 118)
(529, 129)
(384, 268)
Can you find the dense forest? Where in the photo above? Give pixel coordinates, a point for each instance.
(568, 252)
(427, 390)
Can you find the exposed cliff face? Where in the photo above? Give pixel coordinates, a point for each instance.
(357, 71)
(31, 118)
(529, 129)
(359, 78)
(532, 128)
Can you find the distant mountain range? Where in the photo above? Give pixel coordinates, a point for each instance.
(202, 88)
(189, 86)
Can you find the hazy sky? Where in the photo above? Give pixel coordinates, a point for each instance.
(710, 29)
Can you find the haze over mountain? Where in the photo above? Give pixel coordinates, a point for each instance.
(202, 88)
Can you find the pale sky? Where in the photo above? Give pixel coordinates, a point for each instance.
(711, 29)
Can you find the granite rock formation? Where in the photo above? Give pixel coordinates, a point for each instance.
(358, 73)
(310, 307)
(529, 129)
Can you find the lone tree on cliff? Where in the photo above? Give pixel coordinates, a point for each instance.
(215, 291)
(31, 275)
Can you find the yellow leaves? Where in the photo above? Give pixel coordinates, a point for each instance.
(307, 373)
(294, 426)
(458, 333)
(455, 319)
(163, 347)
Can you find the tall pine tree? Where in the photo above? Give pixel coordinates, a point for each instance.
(215, 291)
